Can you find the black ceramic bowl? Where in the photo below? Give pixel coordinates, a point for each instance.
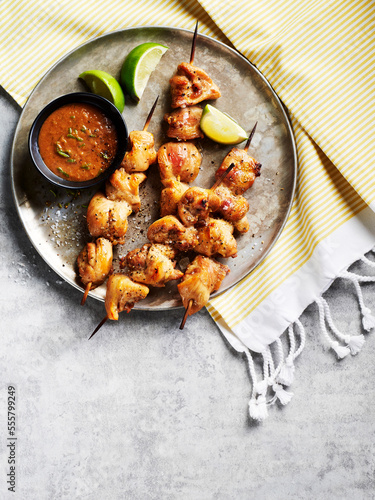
(79, 97)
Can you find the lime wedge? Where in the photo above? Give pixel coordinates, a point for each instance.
(220, 127)
(105, 85)
(138, 66)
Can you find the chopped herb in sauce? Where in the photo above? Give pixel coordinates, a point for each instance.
(65, 174)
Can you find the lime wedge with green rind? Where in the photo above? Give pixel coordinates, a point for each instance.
(138, 66)
(105, 85)
(220, 127)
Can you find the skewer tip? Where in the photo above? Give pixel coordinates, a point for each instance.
(149, 116)
(222, 177)
(248, 142)
(98, 327)
(187, 312)
(87, 289)
(192, 54)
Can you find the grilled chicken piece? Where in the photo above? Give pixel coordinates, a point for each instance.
(184, 123)
(95, 262)
(122, 294)
(142, 153)
(125, 187)
(242, 225)
(171, 195)
(232, 208)
(216, 237)
(153, 264)
(169, 231)
(179, 160)
(243, 175)
(202, 277)
(196, 205)
(108, 218)
(191, 85)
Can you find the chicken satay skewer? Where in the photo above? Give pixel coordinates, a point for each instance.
(184, 121)
(191, 85)
(124, 183)
(191, 301)
(121, 188)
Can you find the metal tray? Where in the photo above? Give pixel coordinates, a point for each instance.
(54, 220)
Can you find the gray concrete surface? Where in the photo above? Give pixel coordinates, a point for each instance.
(148, 412)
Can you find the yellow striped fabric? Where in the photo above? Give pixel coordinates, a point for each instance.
(318, 56)
(34, 34)
(324, 200)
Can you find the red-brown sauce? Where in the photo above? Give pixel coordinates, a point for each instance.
(77, 142)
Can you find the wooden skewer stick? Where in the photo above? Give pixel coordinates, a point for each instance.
(187, 310)
(222, 177)
(87, 289)
(150, 115)
(248, 142)
(98, 327)
(192, 54)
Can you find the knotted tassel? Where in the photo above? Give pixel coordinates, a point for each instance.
(286, 375)
(355, 343)
(282, 395)
(257, 408)
(368, 320)
(341, 351)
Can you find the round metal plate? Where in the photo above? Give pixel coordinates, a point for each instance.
(54, 219)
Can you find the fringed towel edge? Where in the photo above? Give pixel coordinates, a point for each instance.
(278, 370)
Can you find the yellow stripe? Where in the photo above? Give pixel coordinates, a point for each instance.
(306, 42)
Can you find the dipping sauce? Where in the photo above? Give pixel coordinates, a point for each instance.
(77, 142)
